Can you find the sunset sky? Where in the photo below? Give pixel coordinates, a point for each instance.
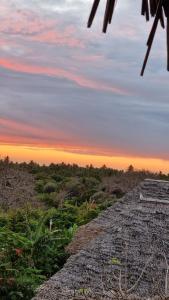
(72, 94)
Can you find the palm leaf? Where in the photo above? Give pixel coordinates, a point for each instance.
(157, 9)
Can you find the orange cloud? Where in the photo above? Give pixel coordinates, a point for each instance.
(61, 73)
(19, 133)
(21, 127)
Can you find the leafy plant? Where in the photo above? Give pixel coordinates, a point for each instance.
(29, 256)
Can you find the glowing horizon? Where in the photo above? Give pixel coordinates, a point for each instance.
(49, 155)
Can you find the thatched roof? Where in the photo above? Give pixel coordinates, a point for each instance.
(129, 254)
(157, 9)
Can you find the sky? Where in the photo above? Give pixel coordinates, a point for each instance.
(72, 94)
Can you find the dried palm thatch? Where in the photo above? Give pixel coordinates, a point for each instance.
(158, 9)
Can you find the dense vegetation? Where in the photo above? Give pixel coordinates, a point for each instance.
(33, 239)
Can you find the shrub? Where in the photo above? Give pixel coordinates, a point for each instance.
(39, 186)
(57, 177)
(99, 197)
(18, 276)
(50, 187)
(86, 195)
(87, 212)
(90, 182)
(29, 256)
(47, 199)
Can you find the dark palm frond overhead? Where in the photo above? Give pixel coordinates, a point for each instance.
(158, 9)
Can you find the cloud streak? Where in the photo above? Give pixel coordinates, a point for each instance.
(61, 73)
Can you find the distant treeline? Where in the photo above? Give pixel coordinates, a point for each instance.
(89, 170)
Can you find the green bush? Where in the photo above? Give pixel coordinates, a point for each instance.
(87, 212)
(31, 254)
(47, 199)
(57, 178)
(39, 186)
(90, 182)
(65, 217)
(18, 273)
(50, 187)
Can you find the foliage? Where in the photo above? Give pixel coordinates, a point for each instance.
(33, 240)
(30, 251)
(39, 187)
(115, 261)
(50, 187)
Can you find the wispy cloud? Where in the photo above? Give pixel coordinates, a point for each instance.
(61, 73)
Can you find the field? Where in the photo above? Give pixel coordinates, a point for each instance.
(41, 209)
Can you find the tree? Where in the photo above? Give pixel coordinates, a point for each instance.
(130, 169)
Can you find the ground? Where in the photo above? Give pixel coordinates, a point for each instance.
(17, 189)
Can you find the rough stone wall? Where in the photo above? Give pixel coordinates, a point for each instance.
(131, 252)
